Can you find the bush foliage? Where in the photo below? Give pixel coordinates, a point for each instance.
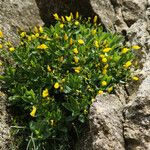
(53, 75)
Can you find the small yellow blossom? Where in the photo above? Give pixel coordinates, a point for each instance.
(80, 41)
(42, 46)
(36, 30)
(85, 111)
(63, 80)
(65, 37)
(1, 46)
(77, 69)
(76, 23)
(124, 50)
(71, 14)
(77, 15)
(71, 41)
(127, 64)
(104, 60)
(100, 92)
(37, 35)
(1, 34)
(106, 50)
(29, 38)
(62, 18)
(61, 25)
(95, 19)
(33, 36)
(110, 89)
(68, 18)
(56, 16)
(104, 83)
(32, 113)
(45, 93)
(135, 78)
(41, 29)
(49, 68)
(104, 71)
(136, 47)
(101, 56)
(76, 59)
(52, 122)
(75, 50)
(106, 66)
(23, 34)
(56, 85)
(96, 44)
(93, 32)
(11, 49)
(61, 59)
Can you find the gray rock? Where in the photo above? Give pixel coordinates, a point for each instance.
(106, 123)
(137, 119)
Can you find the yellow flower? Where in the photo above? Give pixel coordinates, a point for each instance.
(93, 32)
(23, 34)
(76, 59)
(96, 44)
(56, 16)
(85, 111)
(110, 89)
(41, 29)
(106, 66)
(42, 46)
(49, 68)
(61, 59)
(68, 18)
(63, 19)
(105, 50)
(100, 92)
(36, 30)
(29, 38)
(124, 50)
(52, 122)
(104, 83)
(63, 80)
(95, 19)
(37, 35)
(1, 34)
(11, 49)
(61, 25)
(45, 93)
(135, 78)
(33, 36)
(75, 50)
(32, 113)
(76, 23)
(1, 46)
(80, 41)
(136, 47)
(65, 37)
(77, 69)
(71, 41)
(77, 15)
(104, 60)
(56, 85)
(104, 71)
(101, 56)
(127, 64)
(71, 15)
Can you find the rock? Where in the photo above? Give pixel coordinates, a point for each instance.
(106, 124)
(18, 14)
(137, 119)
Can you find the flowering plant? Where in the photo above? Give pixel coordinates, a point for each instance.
(54, 74)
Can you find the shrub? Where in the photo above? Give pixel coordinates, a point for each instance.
(53, 75)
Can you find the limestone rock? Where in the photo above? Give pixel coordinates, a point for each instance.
(15, 14)
(106, 124)
(137, 119)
